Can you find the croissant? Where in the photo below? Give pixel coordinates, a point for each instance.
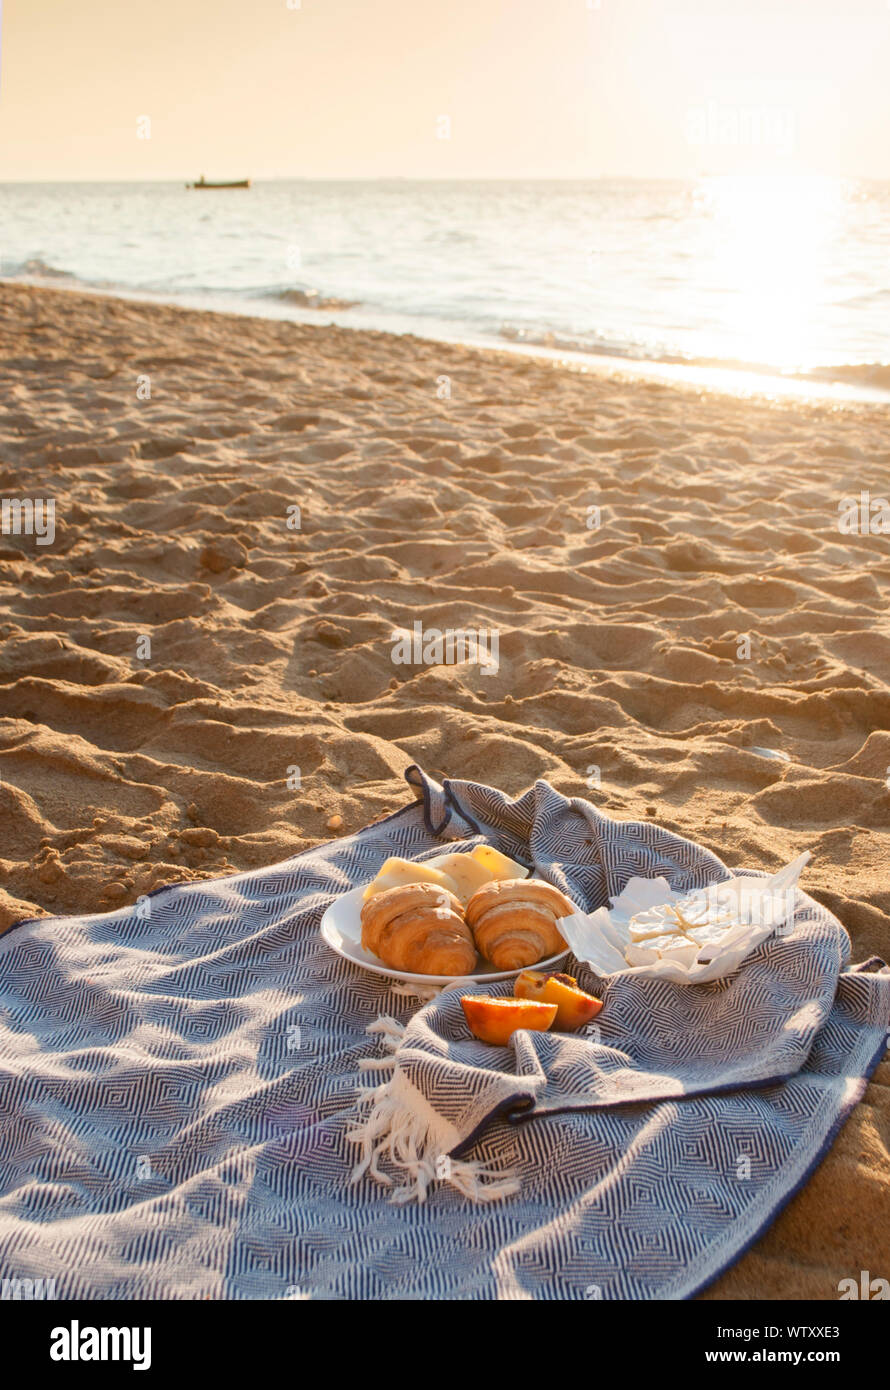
(418, 928)
(514, 921)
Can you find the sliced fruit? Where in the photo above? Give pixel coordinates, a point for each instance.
(495, 1020)
(498, 865)
(467, 872)
(574, 1007)
(396, 873)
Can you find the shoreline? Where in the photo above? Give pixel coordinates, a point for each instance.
(739, 380)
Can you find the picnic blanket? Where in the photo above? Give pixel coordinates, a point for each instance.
(178, 1087)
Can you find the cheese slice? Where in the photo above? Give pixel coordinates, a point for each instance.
(662, 921)
(498, 864)
(680, 950)
(461, 874)
(396, 873)
(466, 871)
(662, 930)
(669, 946)
(709, 933)
(639, 955)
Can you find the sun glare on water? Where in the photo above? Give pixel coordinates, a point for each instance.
(770, 246)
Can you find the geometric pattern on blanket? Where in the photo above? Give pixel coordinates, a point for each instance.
(176, 1083)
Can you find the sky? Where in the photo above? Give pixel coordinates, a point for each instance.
(443, 88)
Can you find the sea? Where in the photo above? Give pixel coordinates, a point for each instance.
(728, 279)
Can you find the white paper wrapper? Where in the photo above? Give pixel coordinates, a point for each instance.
(722, 924)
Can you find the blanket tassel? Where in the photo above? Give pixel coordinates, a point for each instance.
(403, 1128)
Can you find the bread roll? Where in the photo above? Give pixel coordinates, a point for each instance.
(419, 928)
(514, 922)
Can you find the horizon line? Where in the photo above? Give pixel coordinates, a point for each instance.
(477, 178)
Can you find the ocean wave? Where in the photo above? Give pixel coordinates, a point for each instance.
(868, 374)
(590, 343)
(871, 298)
(310, 299)
(37, 269)
(855, 373)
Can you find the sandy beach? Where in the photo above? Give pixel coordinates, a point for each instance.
(198, 675)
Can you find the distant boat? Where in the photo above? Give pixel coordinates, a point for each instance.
(202, 183)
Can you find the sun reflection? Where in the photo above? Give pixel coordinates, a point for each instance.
(768, 248)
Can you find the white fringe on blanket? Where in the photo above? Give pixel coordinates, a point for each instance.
(404, 1128)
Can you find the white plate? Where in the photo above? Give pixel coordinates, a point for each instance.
(341, 927)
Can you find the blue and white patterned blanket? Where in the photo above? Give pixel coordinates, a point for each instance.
(176, 1083)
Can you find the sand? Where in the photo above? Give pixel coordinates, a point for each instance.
(180, 649)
